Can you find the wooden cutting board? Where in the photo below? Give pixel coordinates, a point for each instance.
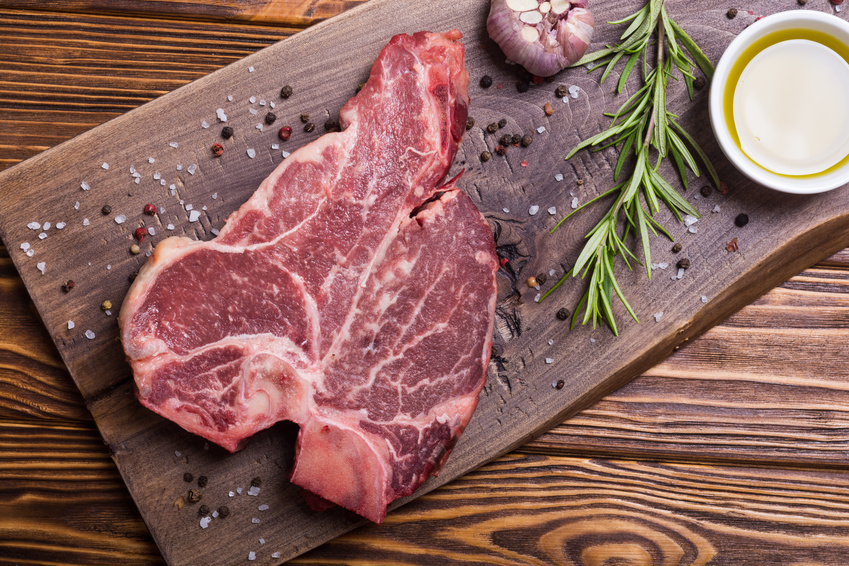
(324, 64)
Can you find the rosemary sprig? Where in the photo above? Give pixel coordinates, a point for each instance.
(644, 126)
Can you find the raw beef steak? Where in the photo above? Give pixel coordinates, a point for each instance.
(352, 294)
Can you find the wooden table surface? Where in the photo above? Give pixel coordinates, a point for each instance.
(733, 451)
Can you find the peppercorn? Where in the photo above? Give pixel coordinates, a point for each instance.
(706, 191)
(505, 139)
(141, 233)
(217, 149)
(563, 314)
(699, 83)
(470, 123)
(732, 13)
(68, 285)
(492, 128)
(532, 282)
(542, 278)
(188, 477)
(523, 86)
(226, 132)
(560, 384)
(561, 91)
(202, 481)
(502, 122)
(106, 210)
(203, 510)
(486, 156)
(500, 150)
(486, 81)
(135, 249)
(741, 220)
(676, 248)
(285, 133)
(527, 139)
(150, 209)
(517, 139)
(194, 495)
(803, 2)
(286, 92)
(548, 109)
(309, 127)
(223, 511)
(270, 118)
(305, 117)
(332, 126)
(683, 263)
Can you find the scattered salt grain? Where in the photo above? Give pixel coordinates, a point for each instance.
(541, 129)
(255, 520)
(231, 494)
(34, 226)
(30, 252)
(151, 160)
(214, 196)
(551, 272)
(657, 316)
(254, 490)
(565, 100)
(120, 219)
(252, 99)
(715, 208)
(275, 146)
(253, 111)
(192, 168)
(105, 166)
(692, 229)
(551, 342)
(252, 554)
(132, 169)
(137, 180)
(573, 91)
(71, 325)
(214, 231)
(162, 182)
(189, 207)
(506, 210)
(25, 246)
(229, 98)
(179, 167)
(538, 297)
(215, 514)
(157, 176)
(108, 313)
(704, 299)
(680, 272)
(204, 124)
(46, 226)
(285, 154)
(41, 266)
(261, 540)
(85, 186)
(203, 207)
(194, 215)
(262, 103)
(263, 507)
(592, 340)
(259, 126)
(574, 202)
(151, 231)
(86, 222)
(549, 360)
(204, 522)
(275, 555)
(533, 210)
(77, 205)
(251, 152)
(271, 104)
(552, 210)
(558, 177)
(250, 69)
(177, 453)
(690, 220)
(221, 115)
(60, 225)
(170, 226)
(89, 334)
(42, 235)
(109, 267)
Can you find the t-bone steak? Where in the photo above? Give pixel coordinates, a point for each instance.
(353, 294)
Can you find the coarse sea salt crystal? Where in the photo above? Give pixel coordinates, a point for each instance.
(105, 166)
(71, 325)
(203, 207)
(692, 229)
(34, 226)
(40, 266)
(255, 520)
(85, 186)
(541, 129)
(574, 202)
(251, 69)
(538, 297)
(657, 316)
(550, 342)
(137, 180)
(558, 177)
(231, 494)
(194, 215)
(251, 152)
(259, 126)
(552, 210)
(533, 210)
(214, 231)
(25, 246)
(46, 226)
(275, 146)
(120, 219)
(86, 222)
(189, 207)
(162, 182)
(690, 220)
(715, 208)
(204, 124)
(132, 169)
(170, 226)
(551, 272)
(151, 231)
(192, 168)
(89, 334)
(108, 267)
(204, 522)
(263, 507)
(215, 514)
(214, 196)
(261, 540)
(108, 313)
(506, 210)
(680, 272)
(30, 252)
(252, 554)
(574, 90)
(275, 555)
(549, 360)
(61, 225)
(252, 99)
(179, 167)
(271, 104)
(704, 298)
(262, 103)
(157, 176)
(253, 111)
(42, 235)
(229, 98)
(151, 160)
(77, 205)
(221, 115)
(254, 490)
(285, 154)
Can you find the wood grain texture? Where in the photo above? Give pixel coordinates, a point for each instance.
(654, 442)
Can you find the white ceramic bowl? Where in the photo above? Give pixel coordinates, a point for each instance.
(828, 24)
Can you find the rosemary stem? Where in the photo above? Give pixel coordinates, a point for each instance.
(661, 37)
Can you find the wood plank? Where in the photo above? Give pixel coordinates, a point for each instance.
(512, 410)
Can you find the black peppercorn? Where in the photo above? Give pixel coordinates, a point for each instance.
(486, 156)
(202, 481)
(563, 314)
(527, 139)
(331, 126)
(270, 118)
(542, 278)
(309, 127)
(517, 139)
(502, 122)
(203, 510)
(561, 91)
(256, 482)
(741, 220)
(676, 248)
(305, 117)
(106, 210)
(699, 83)
(226, 132)
(560, 384)
(731, 14)
(492, 128)
(286, 92)
(706, 191)
(683, 263)
(506, 139)
(523, 86)
(188, 477)
(194, 495)
(500, 150)
(486, 81)
(68, 285)
(470, 123)
(223, 511)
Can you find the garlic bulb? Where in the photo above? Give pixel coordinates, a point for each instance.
(542, 36)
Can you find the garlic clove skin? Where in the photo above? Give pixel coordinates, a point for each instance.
(544, 37)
